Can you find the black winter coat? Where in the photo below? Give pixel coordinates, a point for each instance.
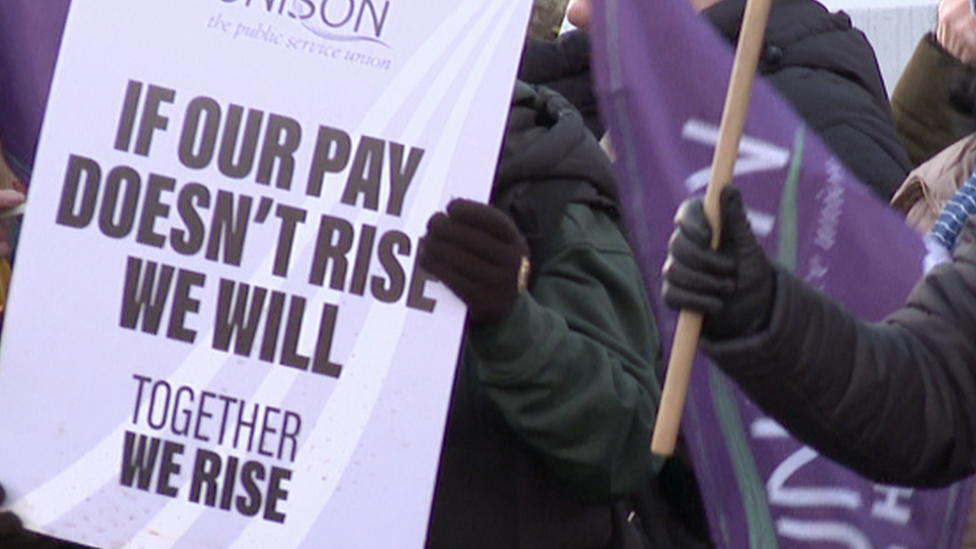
(828, 71)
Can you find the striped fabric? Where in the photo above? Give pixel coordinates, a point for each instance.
(953, 216)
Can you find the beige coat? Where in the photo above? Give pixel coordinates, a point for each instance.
(929, 186)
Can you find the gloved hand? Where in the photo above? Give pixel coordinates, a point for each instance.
(13, 535)
(480, 254)
(10, 524)
(732, 286)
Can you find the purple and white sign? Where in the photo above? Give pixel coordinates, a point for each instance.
(216, 336)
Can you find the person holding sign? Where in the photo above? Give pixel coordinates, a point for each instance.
(555, 395)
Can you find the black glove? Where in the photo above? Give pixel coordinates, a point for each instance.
(10, 525)
(480, 254)
(732, 286)
(13, 535)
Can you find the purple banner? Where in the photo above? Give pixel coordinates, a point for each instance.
(30, 33)
(661, 75)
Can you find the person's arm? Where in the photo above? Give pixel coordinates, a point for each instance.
(572, 369)
(893, 400)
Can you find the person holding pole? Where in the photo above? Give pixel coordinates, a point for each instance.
(893, 400)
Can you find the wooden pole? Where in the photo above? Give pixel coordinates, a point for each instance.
(734, 113)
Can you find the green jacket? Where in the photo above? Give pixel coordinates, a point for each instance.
(572, 369)
(553, 408)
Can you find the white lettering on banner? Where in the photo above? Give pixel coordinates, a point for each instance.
(767, 428)
(891, 505)
(889, 508)
(761, 222)
(832, 199)
(755, 156)
(814, 530)
(780, 494)
(831, 202)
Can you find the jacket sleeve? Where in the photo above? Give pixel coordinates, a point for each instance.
(924, 117)
(894, 400)
(572, 369)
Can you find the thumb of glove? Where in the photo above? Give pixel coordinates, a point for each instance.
(11, 528)
(748, 307)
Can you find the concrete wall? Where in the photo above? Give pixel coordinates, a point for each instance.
(893, 31)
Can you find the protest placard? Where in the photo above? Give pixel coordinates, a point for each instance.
(216, 334)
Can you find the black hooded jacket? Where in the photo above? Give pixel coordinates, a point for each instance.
(828, 71)
(563, 65)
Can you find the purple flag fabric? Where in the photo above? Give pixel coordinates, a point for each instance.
(30, 34)
(661, 74)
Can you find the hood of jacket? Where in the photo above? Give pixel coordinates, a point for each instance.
(545, 138)
(563, 65)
